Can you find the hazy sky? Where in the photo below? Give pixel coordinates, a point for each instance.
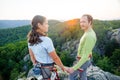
(59, 9)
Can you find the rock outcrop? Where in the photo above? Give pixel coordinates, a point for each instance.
(114, 34)
(93, 73)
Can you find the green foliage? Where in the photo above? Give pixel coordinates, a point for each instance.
(111, 64)
(105, 64)
(115, 58)
(96, 57)
(13, 34)
(117, 71)
(14, 74)
(11, 59)
(110, 47)
(66, 58)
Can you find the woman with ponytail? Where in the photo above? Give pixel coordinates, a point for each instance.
(41, 48)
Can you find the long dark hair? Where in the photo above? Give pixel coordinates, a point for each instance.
(33, 35)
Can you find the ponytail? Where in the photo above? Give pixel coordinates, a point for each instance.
(33, 37)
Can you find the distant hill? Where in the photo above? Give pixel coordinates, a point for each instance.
(12, 34)
(53, 22)
(17, 23)
(13, 23)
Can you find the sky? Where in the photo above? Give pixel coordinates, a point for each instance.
(59, 9)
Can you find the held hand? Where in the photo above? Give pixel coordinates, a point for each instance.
(66, 69)
(71, 70)
(63, 69)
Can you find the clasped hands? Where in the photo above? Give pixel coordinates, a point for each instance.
(71, 70)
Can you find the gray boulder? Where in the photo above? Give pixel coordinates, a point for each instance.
(93, 73)
(114, 34)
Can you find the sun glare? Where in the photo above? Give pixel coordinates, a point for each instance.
(72, 22)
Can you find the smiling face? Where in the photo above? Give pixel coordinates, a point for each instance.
(84, 24)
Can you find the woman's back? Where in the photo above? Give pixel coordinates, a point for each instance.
(41, 50)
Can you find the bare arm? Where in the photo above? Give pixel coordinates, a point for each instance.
(56, 59)
(32, 57)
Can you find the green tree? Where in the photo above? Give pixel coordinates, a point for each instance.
(110, 47)
(66, 58)
(105, 64)
(96, 57)
(11, 59)
(115, 59)
(14, 73)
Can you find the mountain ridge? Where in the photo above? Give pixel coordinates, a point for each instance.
(13, 23)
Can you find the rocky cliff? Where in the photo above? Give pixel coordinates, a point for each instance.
(114, 34)
(93, 73)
